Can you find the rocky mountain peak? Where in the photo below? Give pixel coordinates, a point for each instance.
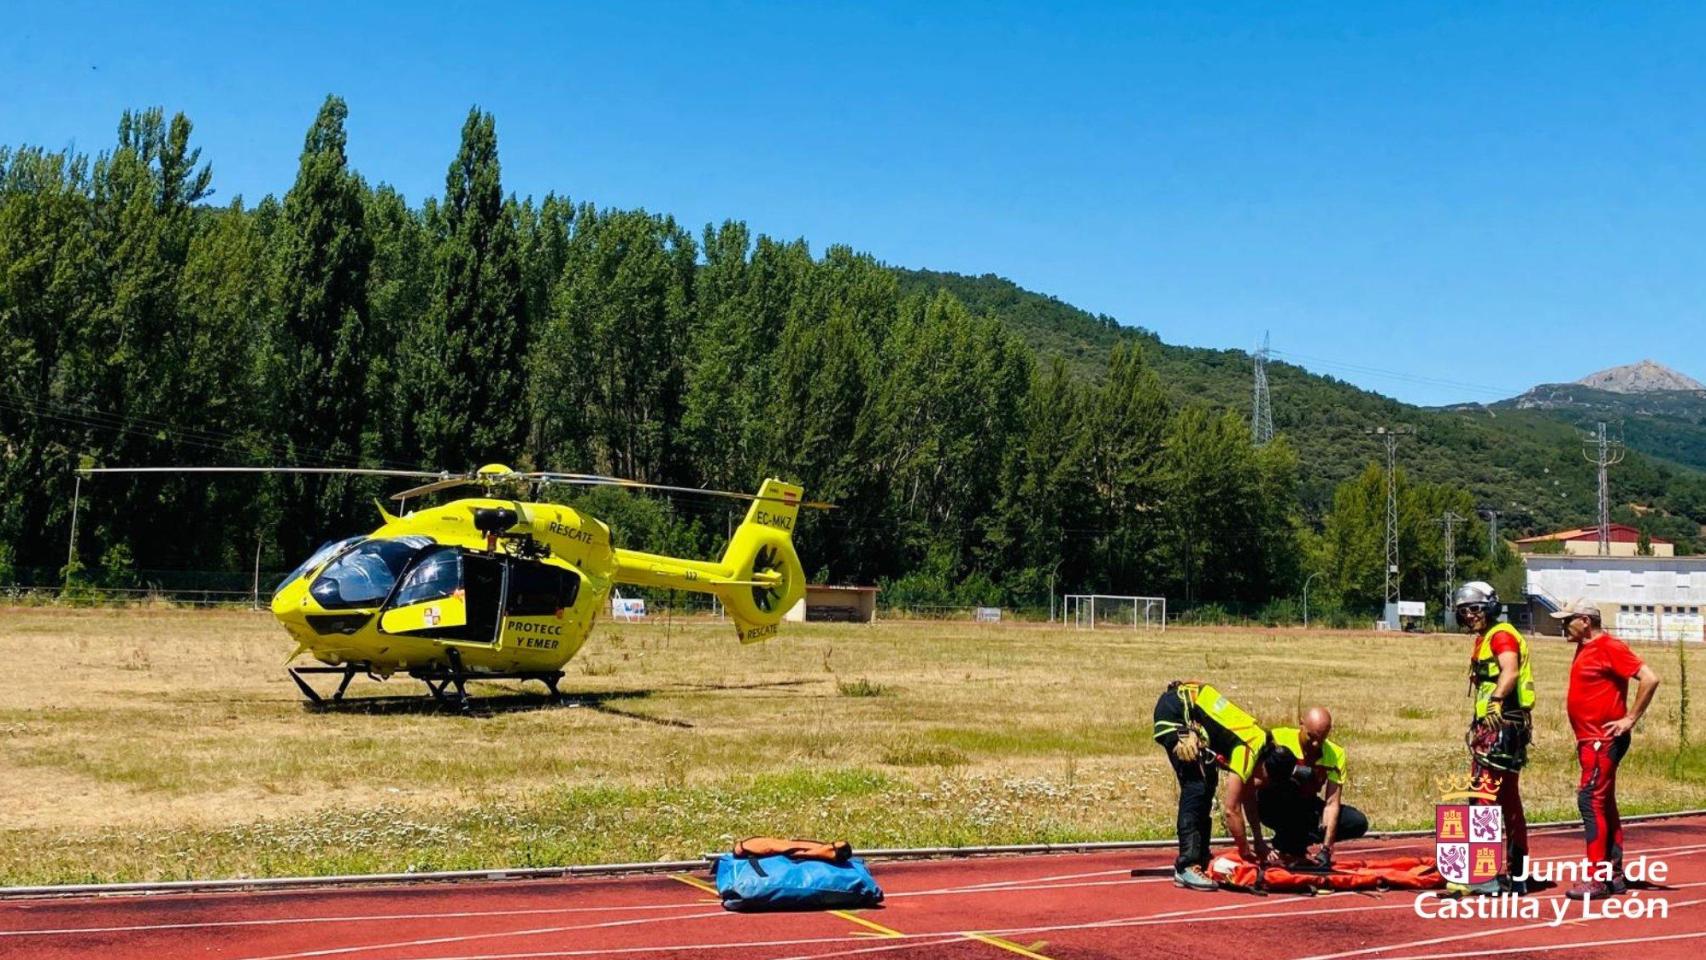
(1643, 377)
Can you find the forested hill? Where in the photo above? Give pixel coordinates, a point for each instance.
(1520, 459)
(983, 443)
(1670, 424)
(1050, 326)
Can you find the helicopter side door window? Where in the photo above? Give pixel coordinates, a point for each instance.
(540, 589)
(448, 595)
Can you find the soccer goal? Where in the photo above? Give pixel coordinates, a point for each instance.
(1087, 611)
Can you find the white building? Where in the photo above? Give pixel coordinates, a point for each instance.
(1641, 598)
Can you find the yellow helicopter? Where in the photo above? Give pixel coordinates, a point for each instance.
(491, 588)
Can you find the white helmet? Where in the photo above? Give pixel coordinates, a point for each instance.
(1476, 593)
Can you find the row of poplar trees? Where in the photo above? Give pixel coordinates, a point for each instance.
(144, 324)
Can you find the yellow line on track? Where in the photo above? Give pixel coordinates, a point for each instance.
(1007, 945)
(889, 932)
(693, 882)
(872, 924)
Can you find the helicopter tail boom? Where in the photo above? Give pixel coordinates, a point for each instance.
(759, 577)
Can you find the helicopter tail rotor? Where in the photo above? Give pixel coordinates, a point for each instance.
(765, 572)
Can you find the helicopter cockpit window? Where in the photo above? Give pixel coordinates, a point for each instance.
(327, 551)
(436, 576)
(364, 576)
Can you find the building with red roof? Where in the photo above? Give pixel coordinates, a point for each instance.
(1624, 541)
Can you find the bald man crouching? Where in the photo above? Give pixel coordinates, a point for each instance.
(1301, 800)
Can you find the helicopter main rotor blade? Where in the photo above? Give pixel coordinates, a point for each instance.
(352, 471)
(594, 480)
(444, 483)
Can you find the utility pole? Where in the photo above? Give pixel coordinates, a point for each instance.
(1261, 407)
(1605, 453)
(71, 547)
(1492, 534)
(1394, 583)
(1449, 519)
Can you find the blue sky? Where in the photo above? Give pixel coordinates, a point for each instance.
(1443, 203)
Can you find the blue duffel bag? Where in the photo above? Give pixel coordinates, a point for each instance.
(783, 883)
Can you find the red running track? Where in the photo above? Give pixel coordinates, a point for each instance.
(1058, 907)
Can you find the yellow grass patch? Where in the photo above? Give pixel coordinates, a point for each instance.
(159, 743)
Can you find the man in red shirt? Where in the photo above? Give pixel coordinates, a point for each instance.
(1599, 687)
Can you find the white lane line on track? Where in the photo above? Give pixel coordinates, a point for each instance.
(1224, 914)
(1124, 871)
(938, 938)
(1551, 947)
(468, 914)
(538, 911)
(464, 938)
(1002, 886)
(905, 941)
(353, 918)
(1170, 917)
(885, 948)
(951, 892)
(1473, 935)
(992, 887)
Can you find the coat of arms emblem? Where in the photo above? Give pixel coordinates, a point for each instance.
(1469, 842)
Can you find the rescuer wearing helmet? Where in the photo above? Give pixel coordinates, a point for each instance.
(1301, 799)
(1502, 685)
(1203, 732)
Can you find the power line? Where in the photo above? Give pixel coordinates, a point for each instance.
(1479, 388)
(147, 428)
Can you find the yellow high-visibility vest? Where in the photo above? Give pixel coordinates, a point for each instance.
(1331, 760)
(1484, 670)
(1234, 736)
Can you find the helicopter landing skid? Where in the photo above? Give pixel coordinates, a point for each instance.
(440, 680)
(347, 671)
(448, 685)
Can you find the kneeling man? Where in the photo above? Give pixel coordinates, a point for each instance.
(1301, 798)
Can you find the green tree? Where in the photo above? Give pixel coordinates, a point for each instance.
(1124, 428)
(322, 346)
(465, 365)
(1352, 547)
(227, 303)
(1047, 492)
(744, 295)
(819, 423)
(128, 382)
(1213, 507)
(948, 408)
(610, 368)
(48, 280)
(399, 296)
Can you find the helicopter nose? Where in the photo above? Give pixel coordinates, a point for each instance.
(287, 603)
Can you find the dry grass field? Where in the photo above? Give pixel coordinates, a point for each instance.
(159, 743)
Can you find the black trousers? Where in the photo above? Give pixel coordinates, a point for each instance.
(1197, 781)
(1295, 819)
